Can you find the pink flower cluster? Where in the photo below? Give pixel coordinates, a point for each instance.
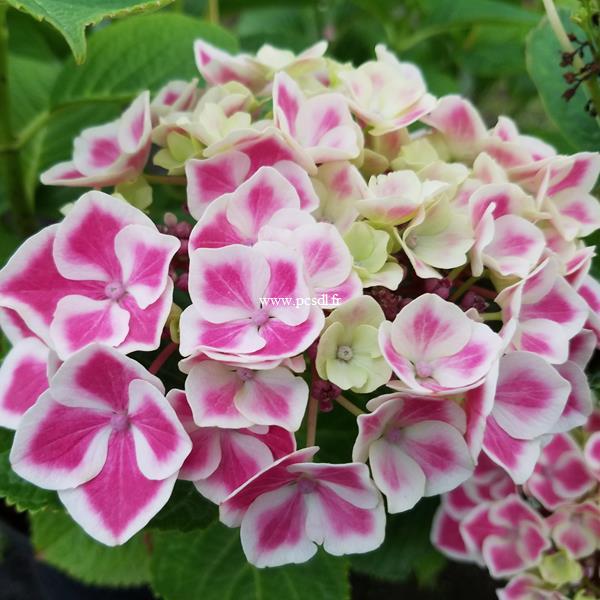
(544, 535)
(432, 281)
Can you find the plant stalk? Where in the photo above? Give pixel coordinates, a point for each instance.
(10, 163)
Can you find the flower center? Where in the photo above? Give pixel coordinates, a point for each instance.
(393, 435)
(114, 290)
(423, 369)
(345, 353)
(245, 374)
(260, 317)
(119, 421)
(306, 486)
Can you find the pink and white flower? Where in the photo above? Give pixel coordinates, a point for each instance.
(222, 460)
(547, 310)
(432, 346)
(222, 173)
(112, 451)
(530, 399)
(289, 508)
(235, 397)
(99, 276)
(576, 528)
(108, 154)
(321, 126)
(508, 534)
(387, 94)
(528, 586)
(560, 474)
(232, 317)
(415, 446)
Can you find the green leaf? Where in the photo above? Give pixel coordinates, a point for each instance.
(406, 549)
(71, 17)
(62, 543)
(543, 57)
(210, 564)
(32, 70)
(136, 54)
(16, 491)
(186, 510)
(452, 12)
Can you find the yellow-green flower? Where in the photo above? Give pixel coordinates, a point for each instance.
(348, 354)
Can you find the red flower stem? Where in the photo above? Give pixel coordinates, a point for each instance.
(311, 421)
(162, 357)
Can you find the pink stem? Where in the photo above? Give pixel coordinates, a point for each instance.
(162, 357)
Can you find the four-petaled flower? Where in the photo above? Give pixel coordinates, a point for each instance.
(111, 447)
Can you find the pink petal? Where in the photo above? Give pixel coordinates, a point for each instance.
(445, 536)
(472, 362)
(144, 257)
(326, 257)
(530, 396)
(517, 457)
(205, 455)
(31, 285)
(516, 248)
(592, 453)
(199, 335)
(82, 381)
(287, 99)
(342, 526)
(429, 328)
(214, 230)
(460, 124)
(80, 321)
(271, 478)
(283, 340)
(226, 283)
(85, 241)
(135, 125)
(579, 404)
(23, 377)
(273, 397)
(161, 443)
(212, 177)
(397, 475)
(211, 388)
(545, 338)
(273, 530)
(255, 202)
(441, 452)
(60, 447)
(242, 456)
(218, 67)
(146, 326)
(119, 501)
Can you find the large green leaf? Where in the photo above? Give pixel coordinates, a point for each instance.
(71, 17)
(32, 70)
(16, 491)
(210, 564)
(406, 550)
(61, 542)
(543, 57)
(136, 54)
(186, 510)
